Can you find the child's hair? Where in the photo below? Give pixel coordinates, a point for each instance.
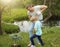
(29, 5)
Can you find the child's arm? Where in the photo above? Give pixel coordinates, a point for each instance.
(34, 31)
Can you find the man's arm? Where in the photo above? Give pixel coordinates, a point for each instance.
(43, 8)
(32, 18)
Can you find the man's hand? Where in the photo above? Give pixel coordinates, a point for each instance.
(43, 8)
(33, 18)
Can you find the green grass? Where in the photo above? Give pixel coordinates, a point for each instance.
(10, 28)
(51, 37)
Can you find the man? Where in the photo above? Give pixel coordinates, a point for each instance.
(35, 11)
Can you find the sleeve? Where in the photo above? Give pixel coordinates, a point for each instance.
(38, 6)
(38, 12)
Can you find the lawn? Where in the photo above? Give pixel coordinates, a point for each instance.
(51, 37)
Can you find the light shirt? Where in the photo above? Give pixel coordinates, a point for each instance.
(37, 27)
(36, 12)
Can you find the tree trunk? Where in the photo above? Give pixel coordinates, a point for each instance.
(44, 2)
(49, 12)
(0, 22)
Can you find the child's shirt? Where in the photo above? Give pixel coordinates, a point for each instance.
(37, 27)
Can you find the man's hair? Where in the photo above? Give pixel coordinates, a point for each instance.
(29, 5)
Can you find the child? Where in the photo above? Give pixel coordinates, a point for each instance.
(38, 33)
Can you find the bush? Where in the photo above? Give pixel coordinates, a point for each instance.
(17, 14)
(20, 14)
(20, 18)
(8, 28)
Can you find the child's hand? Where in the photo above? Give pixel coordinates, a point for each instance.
(34, 31)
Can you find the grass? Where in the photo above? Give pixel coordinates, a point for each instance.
(51, 37)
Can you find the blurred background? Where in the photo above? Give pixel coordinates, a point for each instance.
(14, 19)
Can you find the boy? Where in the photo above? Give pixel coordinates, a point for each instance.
(38, 33)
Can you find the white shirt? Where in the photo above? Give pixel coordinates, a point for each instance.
(36, 12)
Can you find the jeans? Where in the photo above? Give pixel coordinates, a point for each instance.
(38, 37)
(31, 31)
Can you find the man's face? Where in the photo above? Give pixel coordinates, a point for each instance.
(30, 8)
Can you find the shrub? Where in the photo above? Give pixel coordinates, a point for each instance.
(20, 18)
(20, 14)
(17, 14)
(8, 28)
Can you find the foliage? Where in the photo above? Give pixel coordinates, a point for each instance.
(16, 15)
(9, 28)
(21, 3)
(54, 8)
(51, 39)
(18, 12)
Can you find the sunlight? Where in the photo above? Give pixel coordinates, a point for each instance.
(5, 2)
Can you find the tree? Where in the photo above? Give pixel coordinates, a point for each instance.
(0, 22)
(2, 7)
(49, 10)
(1, 10)
(53, 7)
